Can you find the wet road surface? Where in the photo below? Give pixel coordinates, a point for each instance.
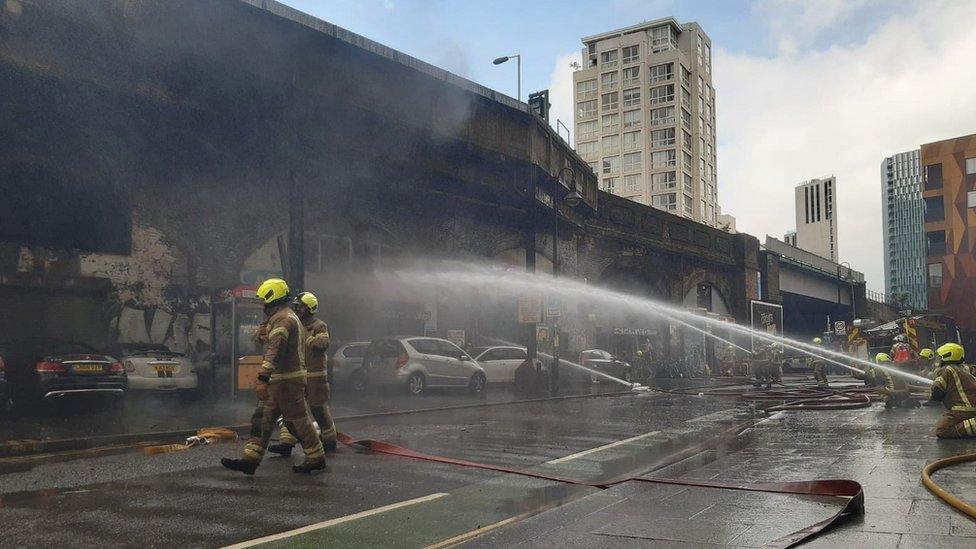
(145, 412)
(186, 498)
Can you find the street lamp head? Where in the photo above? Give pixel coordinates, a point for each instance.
(500, 60)
(573, 199)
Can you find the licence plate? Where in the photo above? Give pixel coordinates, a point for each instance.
(87, 368)
(165, 368)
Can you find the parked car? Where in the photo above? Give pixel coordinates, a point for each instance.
(418, 363)
(49, 369)
(153, 367)
(603, 361)
(345, 365)
(499, 362)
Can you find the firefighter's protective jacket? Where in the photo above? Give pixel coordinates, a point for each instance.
(894, 384)
(284, 352)
(316, 343)
(955, 386)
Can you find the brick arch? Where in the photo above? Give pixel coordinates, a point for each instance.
(721, 286)
(631, 276)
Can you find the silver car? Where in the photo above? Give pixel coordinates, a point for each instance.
(416, 363)
(500, 362)
(345, 365)
(153, 367)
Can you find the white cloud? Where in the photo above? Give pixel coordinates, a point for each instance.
(561, 92)
(793, 24)
(841, 111)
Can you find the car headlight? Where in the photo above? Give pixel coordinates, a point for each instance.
(129, 366)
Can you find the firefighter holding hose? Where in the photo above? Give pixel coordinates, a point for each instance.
(318, 389)
(761, 363)
(955, 388)
(929, 363)
(895, 390)
(818, 366)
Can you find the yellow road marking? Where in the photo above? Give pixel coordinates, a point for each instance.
(333, 522)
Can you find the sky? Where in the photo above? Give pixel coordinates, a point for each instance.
(804, 88)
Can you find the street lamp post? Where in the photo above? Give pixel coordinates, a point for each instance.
(572, 200)
(850, 283)
(518, 59)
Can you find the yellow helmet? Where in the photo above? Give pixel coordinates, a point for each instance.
(882, 357)
(640, 353)
(272, 291)
(309, 300)
(951, 353)
(817, 341)
(926, 353)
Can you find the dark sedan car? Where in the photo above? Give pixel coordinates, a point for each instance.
(602, 361)
(51, 369)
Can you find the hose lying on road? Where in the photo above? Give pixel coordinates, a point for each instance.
(940, 491)
(797, 398)
(834, 487)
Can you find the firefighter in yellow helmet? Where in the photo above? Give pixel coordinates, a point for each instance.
(818, 366)
(955, 387)
(280, 385)
(728, 360)
(318, 389)
(761, 364)
(929, 363)
(895, 390)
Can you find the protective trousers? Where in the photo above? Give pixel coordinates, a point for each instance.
(819, 375)
(287, 399)
(318, 396)
(956, 425)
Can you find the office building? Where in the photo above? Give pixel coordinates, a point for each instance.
(816, 218)
(901, 212)
(949, 194)
(645, 116)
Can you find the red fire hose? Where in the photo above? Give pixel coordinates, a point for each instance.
(839, 487)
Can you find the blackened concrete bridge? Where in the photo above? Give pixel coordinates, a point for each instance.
(154, 152)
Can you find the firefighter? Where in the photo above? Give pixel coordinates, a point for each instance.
(955, 387)
(930, 363)
(818, 366)
(280, 385)
(895, 390)
(776, 366)
(901, 351)
(728, 360)
(761, 362)
(318, 388)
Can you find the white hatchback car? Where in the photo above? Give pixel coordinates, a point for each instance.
(500, 362)
(416, 363)
(153, 367)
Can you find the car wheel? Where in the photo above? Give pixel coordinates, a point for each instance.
(477, 384)
(416, 384)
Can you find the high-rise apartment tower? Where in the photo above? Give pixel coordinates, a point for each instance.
(645, 116)
(902, 212)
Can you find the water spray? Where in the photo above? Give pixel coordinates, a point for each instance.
(697, 329)
(573, 364)
(566, 288)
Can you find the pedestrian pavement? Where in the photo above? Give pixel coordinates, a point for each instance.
(884, 450)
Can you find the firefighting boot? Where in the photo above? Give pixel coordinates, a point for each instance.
(242, 465)
(309, 467)
(330, 445)
(283, 450)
